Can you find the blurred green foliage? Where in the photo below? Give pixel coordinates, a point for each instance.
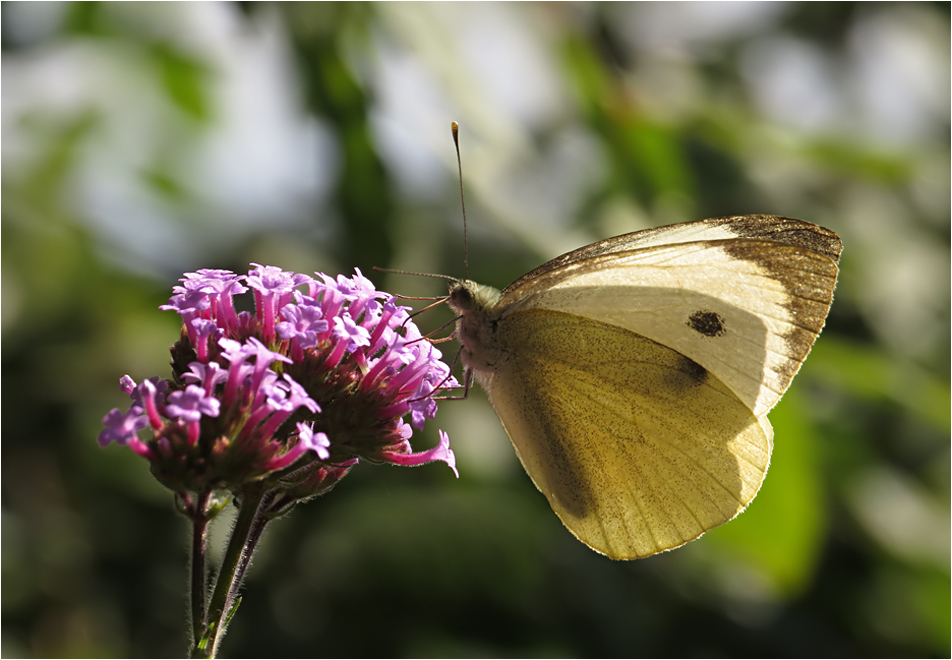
(144, 140)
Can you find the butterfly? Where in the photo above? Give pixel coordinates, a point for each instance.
(634, 375)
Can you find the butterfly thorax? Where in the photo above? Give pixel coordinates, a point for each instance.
(478, 312)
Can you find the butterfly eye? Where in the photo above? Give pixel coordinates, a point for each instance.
(463, 297)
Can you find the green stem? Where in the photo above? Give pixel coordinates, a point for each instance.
(227, 583)
(197, 566)
(251, 543)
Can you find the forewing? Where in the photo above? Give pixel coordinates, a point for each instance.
(762, 227)
(746, 309)
(637, 448)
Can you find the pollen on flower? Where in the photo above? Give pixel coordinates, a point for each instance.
(319, 376)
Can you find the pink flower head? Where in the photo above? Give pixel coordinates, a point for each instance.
(318, 376)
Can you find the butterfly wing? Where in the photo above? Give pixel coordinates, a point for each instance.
(637, 448)
(633, 375)
(744, 297)
(762, 227)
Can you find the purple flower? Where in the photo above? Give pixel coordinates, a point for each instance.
(220, 286)
(273, 289)
(349, 337)
(190, 404)
(316, 442)
(208, 375)
(441, 452)
(320, 375)
(121, 426)
(188, 303)
(200, 331)
(303, 323)
(127, 385)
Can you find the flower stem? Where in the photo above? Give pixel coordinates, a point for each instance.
(237, 556)
(197, 563)
(251, 543)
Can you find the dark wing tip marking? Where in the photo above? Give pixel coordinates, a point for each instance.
(784, 230)
(707, 323)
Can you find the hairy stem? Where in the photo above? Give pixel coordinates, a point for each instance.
(197, 567)
(237, 556)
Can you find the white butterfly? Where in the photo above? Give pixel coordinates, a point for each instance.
(634, 375)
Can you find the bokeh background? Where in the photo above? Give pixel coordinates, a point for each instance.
(142, 140)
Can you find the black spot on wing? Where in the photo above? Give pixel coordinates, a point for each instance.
(709, 324)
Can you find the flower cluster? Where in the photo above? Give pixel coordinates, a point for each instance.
(321, 375)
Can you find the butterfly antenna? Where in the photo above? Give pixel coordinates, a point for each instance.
(439, 299)
(462, 200)
(394, 271)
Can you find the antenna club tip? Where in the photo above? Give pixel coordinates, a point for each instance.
(455, 127)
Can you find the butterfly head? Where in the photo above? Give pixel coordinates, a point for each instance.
(466, 297)
(475, 306)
